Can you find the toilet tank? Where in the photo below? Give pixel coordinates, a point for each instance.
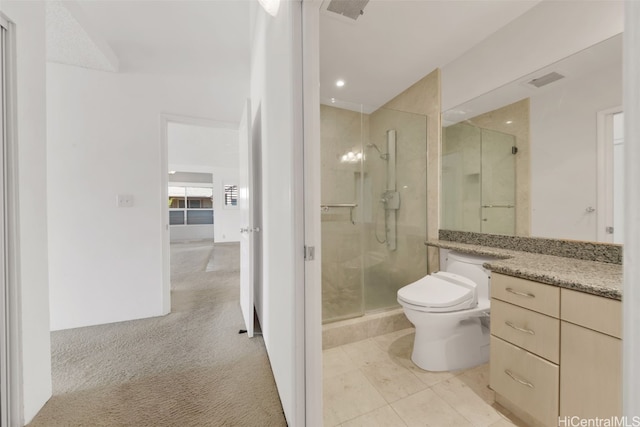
(470, 266)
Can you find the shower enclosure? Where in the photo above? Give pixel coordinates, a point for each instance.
(478, 180)
(373, 207)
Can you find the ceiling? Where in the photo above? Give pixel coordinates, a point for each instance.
(203, 38)
(396, 42)
(391, 46)
(176, 37)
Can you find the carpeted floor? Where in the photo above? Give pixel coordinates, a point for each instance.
(189, 368)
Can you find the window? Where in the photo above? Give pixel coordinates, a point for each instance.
(230, 195)
(190, 205)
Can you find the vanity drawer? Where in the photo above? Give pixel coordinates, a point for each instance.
(593, 312)
(525, 293)
(528, 381)
(532, 331)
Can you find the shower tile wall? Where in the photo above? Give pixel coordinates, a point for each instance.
(342, 131)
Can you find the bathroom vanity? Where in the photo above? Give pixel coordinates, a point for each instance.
(554, 352)
(556, 329)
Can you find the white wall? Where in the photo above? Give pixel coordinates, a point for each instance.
(212, 150)
(275, 93)
(29, 18)
(103, 135)
(564, 154)
(548, 32)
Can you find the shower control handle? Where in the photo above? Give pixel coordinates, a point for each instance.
(391, 200)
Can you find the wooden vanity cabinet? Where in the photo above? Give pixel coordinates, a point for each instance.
(554, 352)
(525, 348)
(591, 356)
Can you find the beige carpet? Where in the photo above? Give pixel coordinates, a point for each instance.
(189, 368)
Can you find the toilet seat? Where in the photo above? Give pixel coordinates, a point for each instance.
(440, 292)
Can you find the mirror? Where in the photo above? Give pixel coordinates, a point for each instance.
(541, 155)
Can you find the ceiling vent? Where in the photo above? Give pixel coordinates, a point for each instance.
(348, 8)
(546, 79)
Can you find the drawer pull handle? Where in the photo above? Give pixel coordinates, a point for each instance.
(522, 294)
(526, 331)
(519, 380)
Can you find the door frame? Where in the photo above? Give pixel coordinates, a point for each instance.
(11, 396)
(604, 175)
(312, 225)
(165, 119)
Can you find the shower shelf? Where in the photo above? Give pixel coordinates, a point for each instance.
(327, 207)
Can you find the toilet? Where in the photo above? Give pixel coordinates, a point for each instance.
(450, 311)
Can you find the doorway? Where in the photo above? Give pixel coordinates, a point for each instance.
(200, 156)
(610, 197)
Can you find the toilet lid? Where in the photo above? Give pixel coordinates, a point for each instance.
(439, 290)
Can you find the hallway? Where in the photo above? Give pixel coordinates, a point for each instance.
(189, 368)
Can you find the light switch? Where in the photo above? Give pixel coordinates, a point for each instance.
(125, 200)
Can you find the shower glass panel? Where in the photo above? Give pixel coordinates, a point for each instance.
(342, 134)
(498, 183)
(374, 207)
(478, 180)
(461, 178)
(395, 225)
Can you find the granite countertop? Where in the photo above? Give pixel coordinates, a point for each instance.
(597, 278)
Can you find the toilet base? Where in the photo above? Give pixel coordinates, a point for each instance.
(464, 346)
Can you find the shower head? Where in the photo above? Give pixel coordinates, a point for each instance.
(383, 156)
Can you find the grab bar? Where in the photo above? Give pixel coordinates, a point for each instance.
(498, 206)
(326, 207)
(338, 205)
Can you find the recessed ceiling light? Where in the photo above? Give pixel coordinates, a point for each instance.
(333, 100)
(172, 172)
(340, 83)
(509, 122)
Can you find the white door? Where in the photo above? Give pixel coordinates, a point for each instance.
(245, 205)
(618, 177)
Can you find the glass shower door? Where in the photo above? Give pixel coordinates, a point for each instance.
(498, 183)
(395, 205)
(342, 133)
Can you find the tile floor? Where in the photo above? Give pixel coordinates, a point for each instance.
(374, 383)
